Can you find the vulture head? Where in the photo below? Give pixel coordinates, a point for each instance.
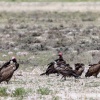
(14, 59)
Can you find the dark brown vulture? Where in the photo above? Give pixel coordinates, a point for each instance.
(79, 68)
(6, 73)
(60, 62)
(93, 70)
(50, 69)
(65, 72)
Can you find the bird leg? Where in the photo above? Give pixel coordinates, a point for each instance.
(64, 77)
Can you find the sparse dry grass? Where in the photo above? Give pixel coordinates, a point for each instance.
(35, 38)
(33, 86)
(76, 34)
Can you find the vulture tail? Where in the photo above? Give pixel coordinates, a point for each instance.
(74, 74)
(48, 69)
(42, 74)
(87, 74)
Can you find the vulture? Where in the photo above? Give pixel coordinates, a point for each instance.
(79, 68)
(93, 70)
(7, 72)
(66, 66)
(60, 62)
(64, 71)
(50, 69)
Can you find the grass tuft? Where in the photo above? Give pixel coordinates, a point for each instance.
(3, 91)
(19, 92)
(43, 91)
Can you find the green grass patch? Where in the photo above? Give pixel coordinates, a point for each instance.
(93, 84)
(44, 91)
(19, 92)
(3, 91)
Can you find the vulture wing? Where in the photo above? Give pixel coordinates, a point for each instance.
(6, 73)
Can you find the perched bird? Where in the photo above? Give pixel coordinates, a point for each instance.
(6, 72)
(51, 70)
(93, 70)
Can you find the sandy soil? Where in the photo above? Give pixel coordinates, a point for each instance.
(54, 6)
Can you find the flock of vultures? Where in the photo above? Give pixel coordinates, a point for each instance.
(58, 66)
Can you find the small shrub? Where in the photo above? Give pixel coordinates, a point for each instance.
(60, 43)
(3, 91)
(43, 91)
(19, 92)
(35, 34)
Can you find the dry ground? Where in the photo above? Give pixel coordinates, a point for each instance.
(54, 6)
(44, 87)
(52, 87)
